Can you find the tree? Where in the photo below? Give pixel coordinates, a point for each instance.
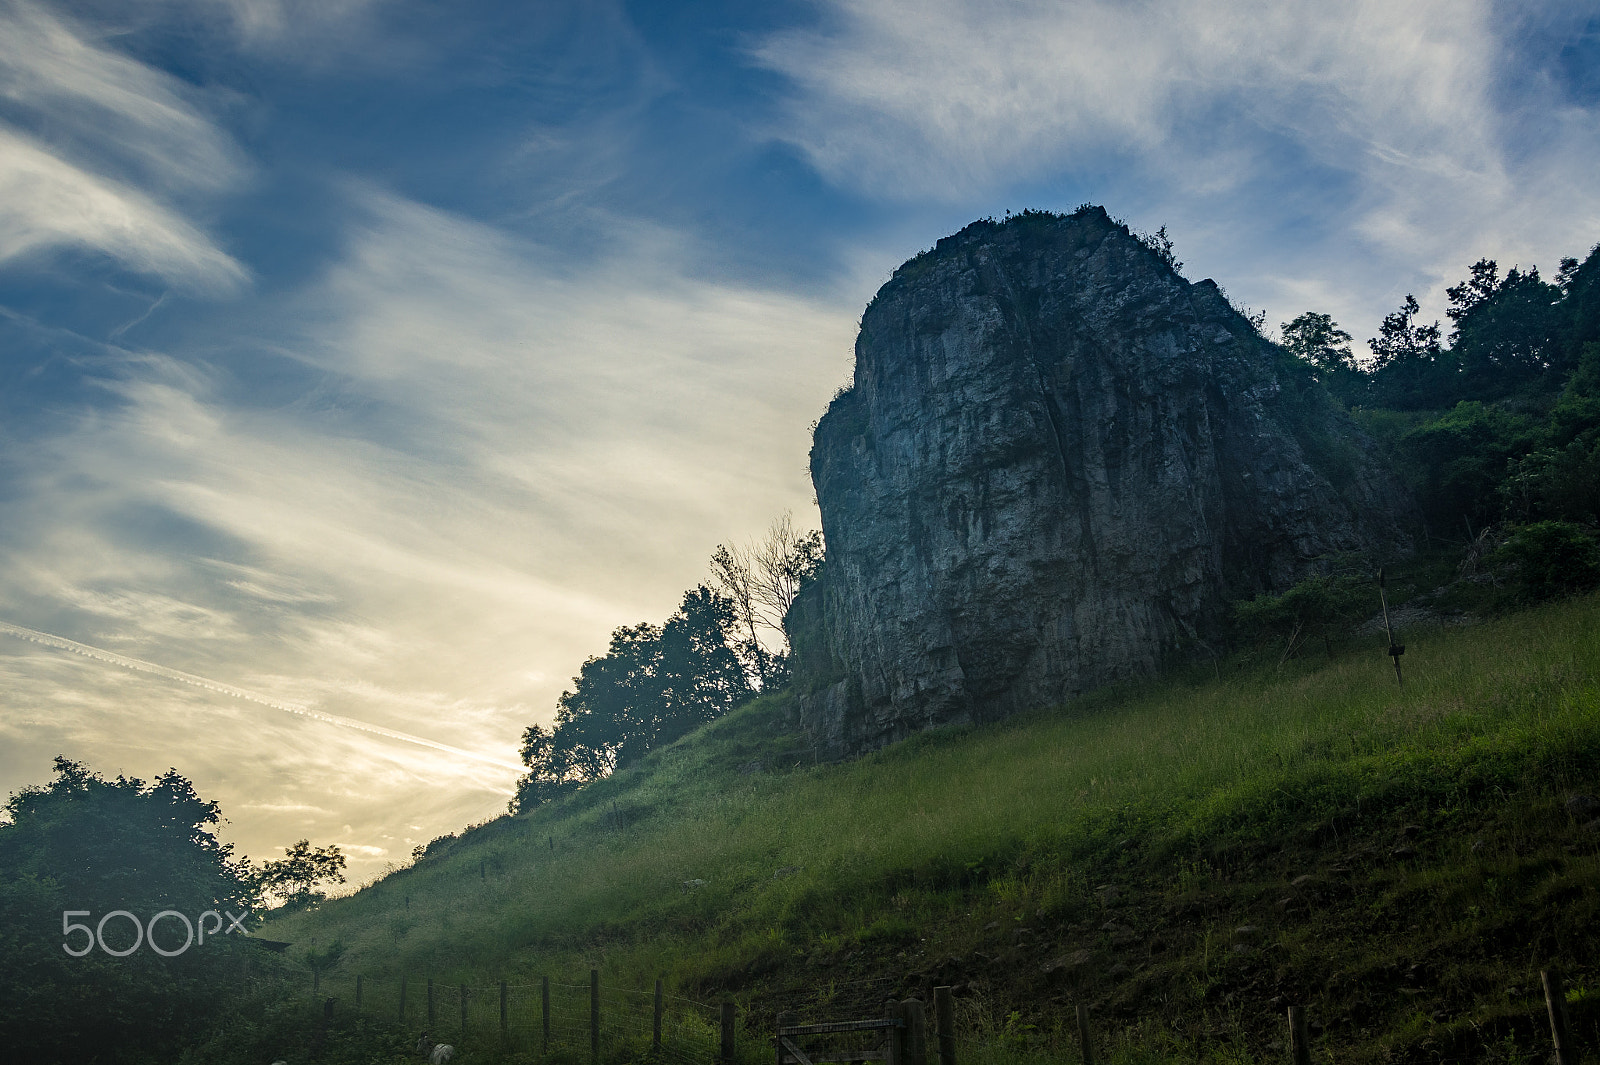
(761, 580)
(1406, 366)
(1317, 339)
(1506, 329)
(295, 877)
(652, 686)
(83, 842)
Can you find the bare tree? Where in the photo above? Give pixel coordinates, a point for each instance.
(763, 578)
(783, 562)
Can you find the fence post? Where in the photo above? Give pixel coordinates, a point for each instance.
(463, 1013)
(784, 1017)
(1555, 1002)
(655, 1022)
(944, 1022)
(430, 1003)
(594, 1016)
(894, 1046)
(1299, 1037)
(727, 1033)
(1085, 1041)
(316, 982)
(327, 1009)
(358, 992)
(916, 1015)
(503, 1027)
(402, 1015)
(544, 1009)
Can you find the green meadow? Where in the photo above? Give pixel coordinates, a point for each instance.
(1185, 857)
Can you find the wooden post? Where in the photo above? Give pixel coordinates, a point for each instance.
(1085, 1039)
(327, 1009)
(481, 864)
(1555, 1002)
(358, 992)
(916, 1015)
(944, 1022)
(316, 982)
(727, 1033)
(402, 1014)
(463, 1013)
(1299, 1037)
(408, 902)
(544, 1008)
(894, 1045)
(784, 1020)
(594, 1016)
(1395, 649)
(503, 1026)
(430, 1004)
(655, 1022)
(552, 844)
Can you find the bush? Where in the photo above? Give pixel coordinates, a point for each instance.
(1551, 558)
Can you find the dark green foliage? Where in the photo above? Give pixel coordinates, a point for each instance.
(1407, 368)
(1460, 458)
(1324, 607)
(1317, 339)
(83, 842)
(1161, 244)
(1506, 331)
(652, 686)
(1503, 422)
(1551, 558)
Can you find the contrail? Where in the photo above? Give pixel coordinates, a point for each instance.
(112, 658)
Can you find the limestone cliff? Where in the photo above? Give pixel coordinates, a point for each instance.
(1057, 463)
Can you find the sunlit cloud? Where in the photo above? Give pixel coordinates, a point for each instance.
(500, 456)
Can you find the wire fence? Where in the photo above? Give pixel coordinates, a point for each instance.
(558, 1021)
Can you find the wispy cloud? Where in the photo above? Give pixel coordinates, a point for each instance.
(495, 455)
(1410, 132)
(98, 149)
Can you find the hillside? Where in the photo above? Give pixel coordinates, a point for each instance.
(1404, 859)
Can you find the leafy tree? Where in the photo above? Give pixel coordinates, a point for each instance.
(86, 843)
(651, 687)
(1406, 368)
(1506, 330)
(1317, 339)
(295, 877)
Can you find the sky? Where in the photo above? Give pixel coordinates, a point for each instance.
(364, 364)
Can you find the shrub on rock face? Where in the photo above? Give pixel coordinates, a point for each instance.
(1551, 558)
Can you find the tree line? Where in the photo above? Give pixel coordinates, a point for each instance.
(1495, 419)
(725, 644)
(1493, 422)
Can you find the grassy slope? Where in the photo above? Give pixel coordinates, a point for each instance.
(1105, 853)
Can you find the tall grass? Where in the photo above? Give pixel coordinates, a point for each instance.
(937, 836)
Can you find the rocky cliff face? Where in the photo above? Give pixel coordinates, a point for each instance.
(1057, 464)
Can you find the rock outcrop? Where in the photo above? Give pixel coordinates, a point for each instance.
(1056, 466)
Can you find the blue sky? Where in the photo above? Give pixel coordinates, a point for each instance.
(380, 358)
